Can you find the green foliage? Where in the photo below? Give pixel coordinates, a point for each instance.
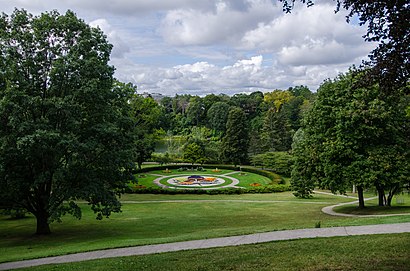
(236, 141)
(276, 188)
(276, 134)
(279, 162)
(146, 116)
(64, 131)
(277, 98)
(353, 135)
(217, 116)
(194, 153)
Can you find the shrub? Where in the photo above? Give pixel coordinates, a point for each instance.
(279, 162)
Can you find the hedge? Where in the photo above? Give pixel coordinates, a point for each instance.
(227, 191)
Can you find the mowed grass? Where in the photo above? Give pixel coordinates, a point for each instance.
(152, 219)
(376, 252)
(400, 204)
(248, 178)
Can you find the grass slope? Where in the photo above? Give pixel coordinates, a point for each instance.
(377, 252)
(152, 219)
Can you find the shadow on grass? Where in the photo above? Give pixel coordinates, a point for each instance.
(372, 210)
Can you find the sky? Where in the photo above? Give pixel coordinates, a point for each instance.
(201, 47)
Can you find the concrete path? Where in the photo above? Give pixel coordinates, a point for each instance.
(329, 209)
(214, 242)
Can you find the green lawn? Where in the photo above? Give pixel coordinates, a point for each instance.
(400, 204)
(376, 252)
(150, 219)
(248, 178)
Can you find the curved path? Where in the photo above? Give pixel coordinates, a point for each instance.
(215, 242)
(329, 209)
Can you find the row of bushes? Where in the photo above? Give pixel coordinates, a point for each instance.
(226, 191)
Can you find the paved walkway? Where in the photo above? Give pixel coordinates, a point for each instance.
(329, 209)
(215, 242)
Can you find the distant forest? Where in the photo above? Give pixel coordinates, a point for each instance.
(255, 128)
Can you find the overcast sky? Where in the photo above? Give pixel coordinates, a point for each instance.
(218, 46)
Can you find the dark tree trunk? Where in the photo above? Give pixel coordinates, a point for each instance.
(43, 227)
(392, 192)
(361, 197)
(381, 195)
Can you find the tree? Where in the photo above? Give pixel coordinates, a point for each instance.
(194, 153)
(277, 98)
(276, 134)
(64, 132)
(196, 111)
(146, 114)
(236, 140)
(217, 116)
(353, 135)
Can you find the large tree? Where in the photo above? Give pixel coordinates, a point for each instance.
(353, 136)
(64, 131)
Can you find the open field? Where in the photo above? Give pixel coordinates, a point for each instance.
(152, 219)
(378, 252)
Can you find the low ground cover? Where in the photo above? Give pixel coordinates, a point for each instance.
(378, 252)
(151, 219)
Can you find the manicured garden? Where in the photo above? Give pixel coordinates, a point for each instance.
(250, 180)
(152, 219)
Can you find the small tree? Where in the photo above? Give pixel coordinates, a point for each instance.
(194, 153)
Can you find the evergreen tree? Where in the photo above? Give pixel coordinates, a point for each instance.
(236, 140)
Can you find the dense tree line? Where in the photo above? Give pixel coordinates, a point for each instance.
(229, 129)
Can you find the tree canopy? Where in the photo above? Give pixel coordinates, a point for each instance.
(64, 131)
(236, 140)
(353, 136)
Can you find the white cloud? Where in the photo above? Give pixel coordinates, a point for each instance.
(309, 36)
(120, 46)
(188, 46)
(223, 24)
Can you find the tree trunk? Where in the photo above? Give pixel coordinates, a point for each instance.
(43, 227)
(380, 192)
(392, 192)
(361, 197)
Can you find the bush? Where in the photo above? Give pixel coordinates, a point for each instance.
(226, 191)
(14, 213)
(279, 162)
